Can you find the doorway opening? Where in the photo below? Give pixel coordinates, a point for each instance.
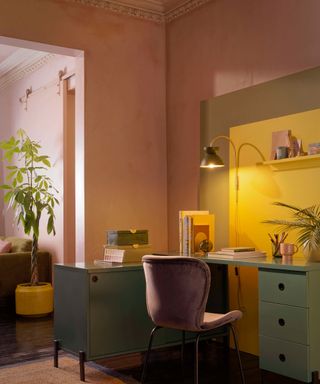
(42, 92)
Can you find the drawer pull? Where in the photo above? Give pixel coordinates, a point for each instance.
(281, 286)
(94, 279)
(281, 322)
(282, 357)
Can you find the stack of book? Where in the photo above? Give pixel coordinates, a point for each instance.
(194, 227)
(125, 246)
(237, 253)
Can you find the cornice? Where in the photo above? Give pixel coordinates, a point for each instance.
(27, 65)
(124, 9)
(152, 10)
(183, 9)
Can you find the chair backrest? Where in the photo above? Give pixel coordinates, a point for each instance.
(177, 291)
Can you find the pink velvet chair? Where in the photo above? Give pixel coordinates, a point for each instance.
(177, 290)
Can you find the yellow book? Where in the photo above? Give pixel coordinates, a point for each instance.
(202, 229)
(182, 214)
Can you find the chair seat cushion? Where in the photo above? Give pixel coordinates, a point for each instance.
(215, 320)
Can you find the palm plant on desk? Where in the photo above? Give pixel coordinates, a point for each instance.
(307, 222)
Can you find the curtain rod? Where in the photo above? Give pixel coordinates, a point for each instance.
(30, 92)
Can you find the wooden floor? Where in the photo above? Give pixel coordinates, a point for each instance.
(23, 339)
(28, 339)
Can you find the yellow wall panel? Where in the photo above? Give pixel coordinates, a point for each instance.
(259, 187)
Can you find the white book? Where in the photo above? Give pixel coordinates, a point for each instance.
(237, 255)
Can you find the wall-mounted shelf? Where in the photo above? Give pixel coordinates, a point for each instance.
(291, 163)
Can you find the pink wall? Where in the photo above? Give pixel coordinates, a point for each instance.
(2, 207)
(43, 122)
(223, 46)
(125, 136)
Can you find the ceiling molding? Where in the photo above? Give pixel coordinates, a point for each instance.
(21, 63)
(153, 10)
(124, 9)
(183, 9)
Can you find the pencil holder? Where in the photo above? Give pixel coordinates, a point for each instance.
(275, 250)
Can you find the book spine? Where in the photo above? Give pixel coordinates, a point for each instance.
(190, 236)
(185, 248)
(180, 232)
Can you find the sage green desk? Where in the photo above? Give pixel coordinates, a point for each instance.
(100, 312)
(289, 316)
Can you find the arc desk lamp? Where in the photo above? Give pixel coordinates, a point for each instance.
(212, 160)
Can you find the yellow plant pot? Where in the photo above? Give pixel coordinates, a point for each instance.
(34, 300)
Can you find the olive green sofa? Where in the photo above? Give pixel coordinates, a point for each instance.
(15, 267)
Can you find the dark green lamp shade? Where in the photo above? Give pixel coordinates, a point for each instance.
(211, 159)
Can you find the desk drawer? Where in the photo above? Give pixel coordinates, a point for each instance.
(285, 358)
(284, 322)
(283, 287)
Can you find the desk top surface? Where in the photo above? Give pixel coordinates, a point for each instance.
(296, 264)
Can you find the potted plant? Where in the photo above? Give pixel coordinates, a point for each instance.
(307, 222)
(30, 192)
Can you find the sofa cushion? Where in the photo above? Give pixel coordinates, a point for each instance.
(15, 269)
(5, 246)
(19, 244)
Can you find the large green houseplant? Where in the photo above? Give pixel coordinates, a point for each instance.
(306, 221)
(29, 190)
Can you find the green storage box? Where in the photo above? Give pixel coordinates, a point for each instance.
(127, 237)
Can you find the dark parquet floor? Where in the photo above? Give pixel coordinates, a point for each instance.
(28, 339)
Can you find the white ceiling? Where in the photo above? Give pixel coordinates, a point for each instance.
(16, 62)
(11, 57)
(5, 51)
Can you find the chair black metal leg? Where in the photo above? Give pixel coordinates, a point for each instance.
(238, 353)
(81, 363)
(196, 360)
(182, 352)
(56, 348)
(146, 360)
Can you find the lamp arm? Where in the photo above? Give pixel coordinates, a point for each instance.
(230, 141)
(234, 154)
(250, 145)
(238, 163)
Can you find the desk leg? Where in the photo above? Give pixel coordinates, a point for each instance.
(315, 377)
(81, 363)
(56, 348)
(182, 352)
